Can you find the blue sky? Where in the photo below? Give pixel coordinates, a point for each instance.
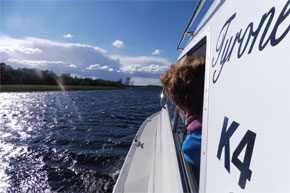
(98, 39)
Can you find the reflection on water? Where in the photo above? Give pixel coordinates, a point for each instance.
(68, 141)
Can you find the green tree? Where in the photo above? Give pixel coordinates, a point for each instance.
(39, 77)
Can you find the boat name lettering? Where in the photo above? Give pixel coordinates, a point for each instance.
(247, 141)
(248, 37)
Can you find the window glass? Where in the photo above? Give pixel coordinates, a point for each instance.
(187, 175)
(189, 172)
(171, 110)
(180, 129)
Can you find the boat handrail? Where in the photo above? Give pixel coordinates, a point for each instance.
(162, 96)
(189, 181)
(193, 17)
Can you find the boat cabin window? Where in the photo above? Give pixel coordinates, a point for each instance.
(189, 173)
(171, 110)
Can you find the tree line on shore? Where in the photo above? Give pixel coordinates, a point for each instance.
(45, 77)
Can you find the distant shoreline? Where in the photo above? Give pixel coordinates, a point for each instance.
(32, 88)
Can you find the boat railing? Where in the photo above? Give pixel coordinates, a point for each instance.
(177, 121)
(192, 19)
(188, 176)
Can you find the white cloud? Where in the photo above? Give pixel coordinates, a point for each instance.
(131, 68)
(34, 63)
(32, 45)
(75, 58)
(104, 67)
(25, 50)
(68, 36)
(145, 81)
(153, 68)
(118, 44)
(153, 65)
(73, 66)
(59, 57)
(99, 67)
(140, 60)
(93, 67)
(157, 52)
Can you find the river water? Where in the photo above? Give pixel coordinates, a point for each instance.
(69, 141)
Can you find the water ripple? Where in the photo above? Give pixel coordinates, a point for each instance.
(69, 141)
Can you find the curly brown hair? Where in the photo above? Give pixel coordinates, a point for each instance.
(184, 84)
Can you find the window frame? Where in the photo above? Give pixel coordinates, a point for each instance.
(189, 181)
